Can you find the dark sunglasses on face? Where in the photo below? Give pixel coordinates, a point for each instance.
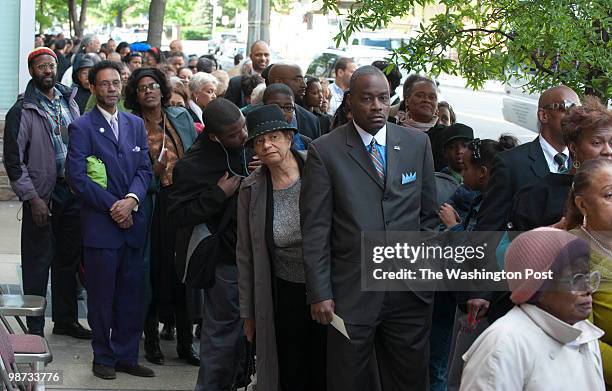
(148, 87)
(564, 105)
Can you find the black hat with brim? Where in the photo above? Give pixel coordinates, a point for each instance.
(458, 131)
(266, 119)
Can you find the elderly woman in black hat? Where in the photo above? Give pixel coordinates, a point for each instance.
(170, 133)
(290, 345)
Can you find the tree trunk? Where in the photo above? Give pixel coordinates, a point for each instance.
(157, 9)
(78, 23)
(120, 17)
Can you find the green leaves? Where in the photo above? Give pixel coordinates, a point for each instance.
(541, 43)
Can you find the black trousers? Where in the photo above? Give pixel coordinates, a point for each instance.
(300, 341)
(401, 338)
(56, 246)
(168, 294)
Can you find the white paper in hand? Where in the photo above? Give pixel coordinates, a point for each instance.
(338, 324)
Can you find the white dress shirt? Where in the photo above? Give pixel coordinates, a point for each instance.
(381, 136)
(337, 94)
(549, 155)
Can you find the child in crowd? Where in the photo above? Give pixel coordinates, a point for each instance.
(446, 114)
(477, 170)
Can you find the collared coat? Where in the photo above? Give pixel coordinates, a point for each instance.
(255, 274)
(531, 350)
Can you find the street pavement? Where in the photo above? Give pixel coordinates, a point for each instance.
(482, 110)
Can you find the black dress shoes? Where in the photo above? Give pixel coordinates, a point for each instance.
(189, 356)
(136, 370)
(153, 353)
(74, 330)
(104, 372)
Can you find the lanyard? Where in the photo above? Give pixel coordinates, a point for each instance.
(56, 114)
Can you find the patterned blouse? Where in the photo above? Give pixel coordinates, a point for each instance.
(172, 144)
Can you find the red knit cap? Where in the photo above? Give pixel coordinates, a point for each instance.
(539, 249)
(40, 51)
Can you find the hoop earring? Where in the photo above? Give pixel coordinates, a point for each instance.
(576, 164)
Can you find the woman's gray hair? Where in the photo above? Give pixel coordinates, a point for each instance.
(200, 79)
(175, 81)
(258, 93)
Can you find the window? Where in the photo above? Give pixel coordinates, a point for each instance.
(9, 53)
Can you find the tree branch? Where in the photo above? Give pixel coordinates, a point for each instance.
(481, 30)
(541, 67)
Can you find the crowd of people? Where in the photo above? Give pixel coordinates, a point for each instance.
(229, 206)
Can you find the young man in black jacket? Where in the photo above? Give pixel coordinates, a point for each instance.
(205, 188)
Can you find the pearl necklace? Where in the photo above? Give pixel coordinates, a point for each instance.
(599, 244)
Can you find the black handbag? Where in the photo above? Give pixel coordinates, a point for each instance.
(201, 265)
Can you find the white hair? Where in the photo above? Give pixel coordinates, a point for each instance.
(175, 81)
(258, 93)
(200, 79)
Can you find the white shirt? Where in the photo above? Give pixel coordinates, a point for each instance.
(381, 136)
(549, 155)
(337, 94)
(196, 109)
(109, 117)
(67, 78)
(529, 349)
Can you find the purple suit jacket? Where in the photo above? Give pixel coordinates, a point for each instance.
(128, 170)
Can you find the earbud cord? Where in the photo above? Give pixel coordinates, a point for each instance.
(228, 162)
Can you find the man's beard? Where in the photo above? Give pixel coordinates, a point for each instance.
(45, 85)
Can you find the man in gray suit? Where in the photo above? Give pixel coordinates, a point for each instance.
(352, 182)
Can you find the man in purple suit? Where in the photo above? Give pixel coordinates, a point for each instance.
(114, 227)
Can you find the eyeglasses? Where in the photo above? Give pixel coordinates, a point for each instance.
(50, 66)
(148, 87)
(581, 282)
(106, 84)
(474, 146)
(288, 108)
(564, 105)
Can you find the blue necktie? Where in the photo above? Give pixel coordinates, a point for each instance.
(115, 127)
(377, 160)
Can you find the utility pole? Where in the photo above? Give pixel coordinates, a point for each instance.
(265, 21)
(259, 21)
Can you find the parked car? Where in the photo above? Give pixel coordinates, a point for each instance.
(378, 40)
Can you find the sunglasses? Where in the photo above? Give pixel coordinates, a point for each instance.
(148, 87)
(564, 105)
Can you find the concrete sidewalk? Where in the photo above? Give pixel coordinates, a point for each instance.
(73, 356)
